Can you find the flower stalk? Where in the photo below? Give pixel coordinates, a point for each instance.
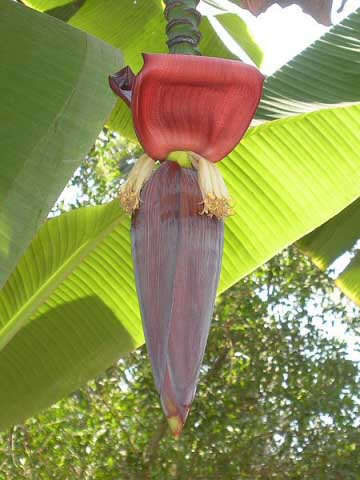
(182, 26)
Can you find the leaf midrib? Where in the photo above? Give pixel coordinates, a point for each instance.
(53, 281)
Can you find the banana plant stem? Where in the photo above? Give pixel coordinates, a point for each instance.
(183, 26)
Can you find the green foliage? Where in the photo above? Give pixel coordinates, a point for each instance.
(349, 280)
(325, 74)
(42, 5)
(53, 105)
(337, 237)
(328, 72)
(73, 302)
(282, 177)
(99, 176)
(277, 399)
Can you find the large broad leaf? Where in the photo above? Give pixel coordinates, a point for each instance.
(335, 240)
(134, 27)
(349, 280)
(325, 74)
(102, 18)
(68, 282)
(54, 101)
(283, 177)
(71, 307)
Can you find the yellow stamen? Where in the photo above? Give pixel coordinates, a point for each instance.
(130, 191)
(216, 197)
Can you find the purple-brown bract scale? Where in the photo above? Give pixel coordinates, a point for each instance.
(177, 254)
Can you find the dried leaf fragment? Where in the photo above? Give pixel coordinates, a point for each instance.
(320, 10)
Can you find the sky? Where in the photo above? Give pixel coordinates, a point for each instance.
(284, 32)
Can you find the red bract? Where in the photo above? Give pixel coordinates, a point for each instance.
(190, 103)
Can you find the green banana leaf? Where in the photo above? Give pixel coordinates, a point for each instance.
(70, 310)
(67, 283)
(336, 238)
(237, 28)
(102, 17)
(324, 75)
(339, 48)
(349, 280)
(54, 102)
(42, 5)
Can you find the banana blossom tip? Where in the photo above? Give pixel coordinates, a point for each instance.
(177, 255)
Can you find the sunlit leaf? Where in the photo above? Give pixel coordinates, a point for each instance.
(54, 102)
(325, 74)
